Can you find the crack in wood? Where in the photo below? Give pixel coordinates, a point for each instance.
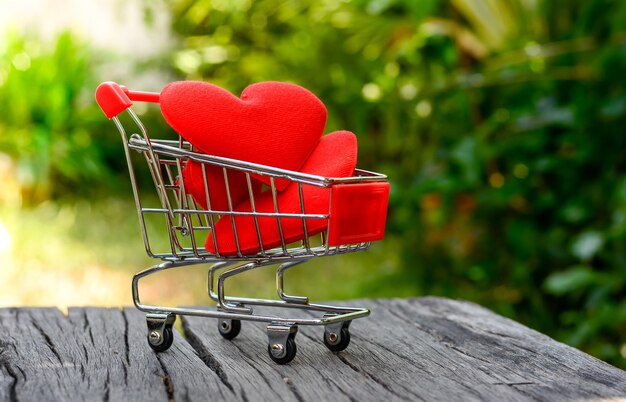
(376, 380)
(82, 372)
(126, 345)
(498, 334)
(483, 370)
(464, 353)
(87, 327)
(86, 353)
(169, 388)
(22, 373)
(13, 386)
(125, 369)
(107, 387)
(207, 358)
(526, 394)
(48, 341)
(244, 396)
(167, 380)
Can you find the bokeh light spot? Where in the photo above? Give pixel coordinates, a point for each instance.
(21, 61)
(371, 92)
(423, 108)
(496, 180)
(520, 171)
(408, 91)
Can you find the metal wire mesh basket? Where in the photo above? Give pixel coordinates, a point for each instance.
(200, 229)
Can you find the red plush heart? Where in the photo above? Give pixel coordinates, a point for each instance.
(194, 180)
(335, 156)
(273, 123)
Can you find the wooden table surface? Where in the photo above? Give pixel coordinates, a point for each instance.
(408, 349)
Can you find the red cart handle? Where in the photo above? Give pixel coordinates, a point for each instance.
(113, 99)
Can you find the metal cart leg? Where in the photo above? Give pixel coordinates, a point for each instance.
(221, 301)
(279, 284)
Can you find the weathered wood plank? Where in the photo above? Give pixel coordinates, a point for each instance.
(490, 356)
(416, 349)
(244, 363)
(96, 354)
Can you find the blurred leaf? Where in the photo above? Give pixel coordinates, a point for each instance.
(587, 244)
(574, 279)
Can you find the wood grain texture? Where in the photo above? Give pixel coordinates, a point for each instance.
(95, 354)
(409, 349)
(412, 349)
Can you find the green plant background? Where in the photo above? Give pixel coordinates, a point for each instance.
(501, 125)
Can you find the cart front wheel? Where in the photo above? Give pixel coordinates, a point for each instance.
(287, 354)
(161, 340)
(337, 341)
(229, 329)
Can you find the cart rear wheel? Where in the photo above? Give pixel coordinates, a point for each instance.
(161, 340)
(337, 341)
(229, 329)
(289, 352)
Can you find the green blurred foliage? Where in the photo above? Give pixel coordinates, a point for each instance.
(500, 125)
(50, 126)
(59, 142)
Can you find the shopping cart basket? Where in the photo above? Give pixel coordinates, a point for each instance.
(354, 217)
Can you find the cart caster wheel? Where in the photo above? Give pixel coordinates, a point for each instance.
(337, 338)
(287, 351)
(229, 329)
(282, 343)
(160, 332)
(161, 341)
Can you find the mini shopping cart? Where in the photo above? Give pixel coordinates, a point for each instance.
(187, 225)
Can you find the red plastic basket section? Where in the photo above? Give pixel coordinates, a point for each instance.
(358, 213)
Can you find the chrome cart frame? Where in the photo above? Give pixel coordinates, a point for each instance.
(188, 225)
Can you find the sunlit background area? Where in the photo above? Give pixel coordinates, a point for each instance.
(501, 126)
